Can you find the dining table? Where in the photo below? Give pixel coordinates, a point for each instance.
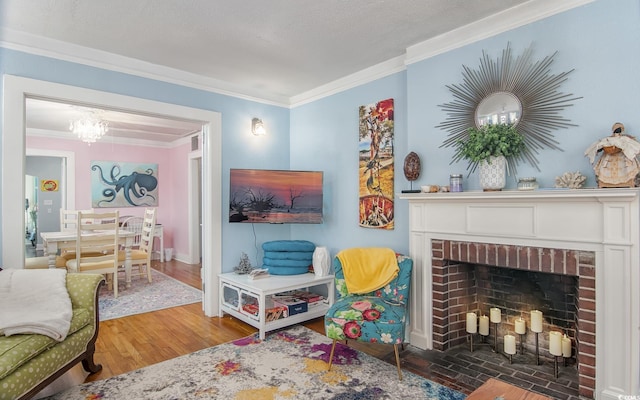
(53, 241)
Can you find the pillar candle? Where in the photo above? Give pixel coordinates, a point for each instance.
(495, 314)
(509, 344)
(521, 327)
(536, 321)
(555, 343)
(472, 322)
(484, 325)
(566, 346)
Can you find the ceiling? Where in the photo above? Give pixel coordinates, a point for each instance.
(267, 49)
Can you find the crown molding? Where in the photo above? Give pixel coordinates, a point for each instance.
(361, 77)
(512, 18)
(65, 135)
(504, 21)
(46, 47)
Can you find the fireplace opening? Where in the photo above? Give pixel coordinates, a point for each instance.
(474, 277)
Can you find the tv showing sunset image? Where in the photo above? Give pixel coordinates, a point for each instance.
(275, 196)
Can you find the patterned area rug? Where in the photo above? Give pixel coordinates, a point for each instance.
(142, 296)
(290, 364)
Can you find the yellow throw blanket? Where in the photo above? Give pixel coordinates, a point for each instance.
(368, 269)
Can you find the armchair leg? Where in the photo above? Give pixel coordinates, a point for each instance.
(395, 349)
(333, 347)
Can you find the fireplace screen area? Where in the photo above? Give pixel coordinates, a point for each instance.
(501, 284)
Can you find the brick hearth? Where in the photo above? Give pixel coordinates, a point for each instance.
(454, 290)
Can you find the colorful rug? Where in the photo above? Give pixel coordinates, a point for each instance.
(289, 364)
(163, 292)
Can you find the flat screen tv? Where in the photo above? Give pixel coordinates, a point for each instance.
(275, 196)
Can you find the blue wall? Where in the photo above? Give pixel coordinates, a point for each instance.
(600, 41)
(240, 148)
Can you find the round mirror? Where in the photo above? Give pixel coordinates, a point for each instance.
(498, 108)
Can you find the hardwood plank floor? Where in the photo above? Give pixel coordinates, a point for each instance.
(129, 343)
(133, 342)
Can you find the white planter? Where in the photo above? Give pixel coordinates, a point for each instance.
(321, 261)
(493, 175)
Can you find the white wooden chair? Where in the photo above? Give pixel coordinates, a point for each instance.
(68, 223)
(141, 256)
(134, 224)
(97, 246)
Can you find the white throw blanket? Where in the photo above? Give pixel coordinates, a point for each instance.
(35, 301)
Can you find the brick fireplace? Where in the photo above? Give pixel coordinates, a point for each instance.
(586, 239)
(455, 292)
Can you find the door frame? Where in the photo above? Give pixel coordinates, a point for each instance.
(18, 89)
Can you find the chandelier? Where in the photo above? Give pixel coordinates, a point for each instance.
(89, 128)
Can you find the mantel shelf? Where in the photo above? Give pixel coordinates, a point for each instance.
(540, 194)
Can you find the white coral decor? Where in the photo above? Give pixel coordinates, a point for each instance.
(571, 180)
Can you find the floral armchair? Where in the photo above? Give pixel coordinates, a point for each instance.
(376, 317)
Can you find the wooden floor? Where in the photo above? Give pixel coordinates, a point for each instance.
(129, 343)
(133, 342)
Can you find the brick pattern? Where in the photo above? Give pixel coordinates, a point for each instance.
(455, 291)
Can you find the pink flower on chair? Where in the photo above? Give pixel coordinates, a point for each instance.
(352, 330)
(361, 305)
(371, 314)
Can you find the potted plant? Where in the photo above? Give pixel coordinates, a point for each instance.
(492, 147)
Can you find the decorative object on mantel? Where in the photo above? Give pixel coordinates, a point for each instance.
(570, 180)
(489, 147)
(411, 170)
(244, 267)
(618, 164)
(520, 92)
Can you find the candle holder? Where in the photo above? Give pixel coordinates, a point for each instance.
(555, 367)
(522, 343)
(495, 337)
(482, 342)
(537, 350)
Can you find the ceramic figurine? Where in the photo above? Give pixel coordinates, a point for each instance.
(618, 164)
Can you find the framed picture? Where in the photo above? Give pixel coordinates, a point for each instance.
(121, 184)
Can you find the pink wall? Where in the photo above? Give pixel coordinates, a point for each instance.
(172, 177)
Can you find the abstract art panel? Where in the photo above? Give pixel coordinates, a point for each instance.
(121, 184)
(376, 165)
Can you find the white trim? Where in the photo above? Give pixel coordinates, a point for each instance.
(17, 89)
(194, 184)
(507, 20)
(526, 13)
(47, 47)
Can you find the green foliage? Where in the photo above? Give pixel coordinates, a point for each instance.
(490, 140)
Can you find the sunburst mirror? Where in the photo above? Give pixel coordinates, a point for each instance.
(521, 92)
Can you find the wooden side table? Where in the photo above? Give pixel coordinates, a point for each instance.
(493, 388)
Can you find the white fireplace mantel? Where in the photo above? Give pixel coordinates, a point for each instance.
(605, 221)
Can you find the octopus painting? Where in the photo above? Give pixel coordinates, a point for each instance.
(123, 184)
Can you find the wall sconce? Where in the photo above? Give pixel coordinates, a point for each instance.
(257, 127)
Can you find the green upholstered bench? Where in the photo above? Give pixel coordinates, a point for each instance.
(28, 363)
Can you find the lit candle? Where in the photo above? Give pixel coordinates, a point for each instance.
(521, 327)
(555, 343)
(536, 321)
(484, 325)
(509, 344)
(496, 316)
(472, 322)
(566, 346)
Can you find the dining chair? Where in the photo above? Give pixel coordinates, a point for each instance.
(141, 256)
(97, 246)
(69, 223)
(370, 313)
(134, 224)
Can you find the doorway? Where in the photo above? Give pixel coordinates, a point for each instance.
(17, 89)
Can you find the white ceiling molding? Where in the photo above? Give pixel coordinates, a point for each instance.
(512, 18)
(507, 20)
(47, 47)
